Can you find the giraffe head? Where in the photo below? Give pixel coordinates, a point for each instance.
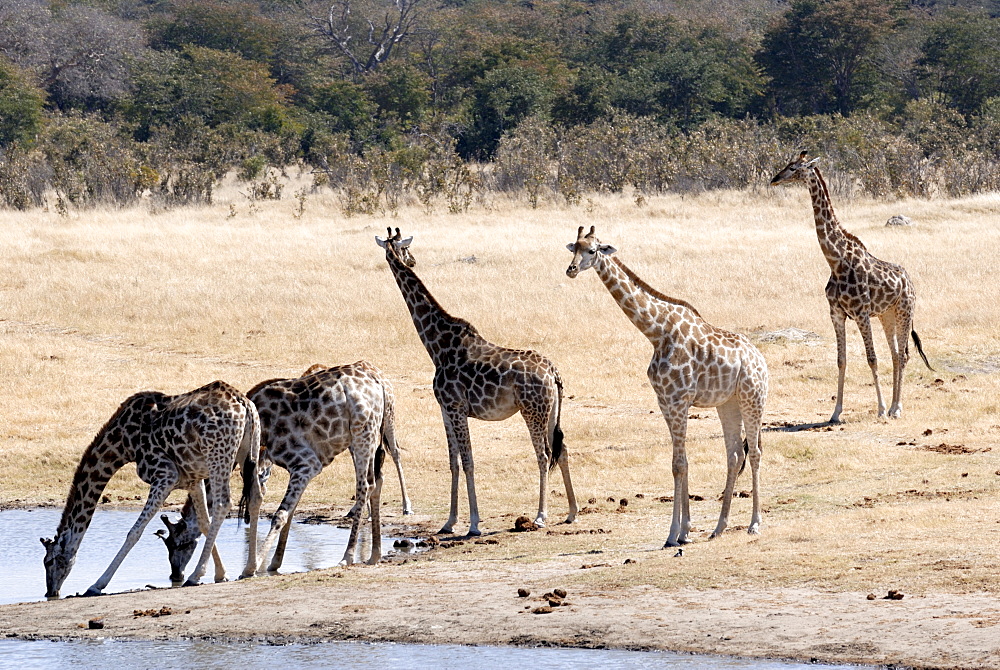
(181, 539)
(795, 171)
(585, 251)
(58, 562)
(398, 247)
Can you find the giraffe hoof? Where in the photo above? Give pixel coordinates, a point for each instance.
(191, 582)
(754, 529)
(475, 532)
(92, 592)
(407, 512)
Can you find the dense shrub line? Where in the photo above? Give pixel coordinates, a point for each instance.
(80, 162)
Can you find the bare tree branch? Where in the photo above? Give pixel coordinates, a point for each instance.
(398, 23)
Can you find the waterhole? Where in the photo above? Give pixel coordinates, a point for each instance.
(22, 576)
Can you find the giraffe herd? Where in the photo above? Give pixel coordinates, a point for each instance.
(195, 440)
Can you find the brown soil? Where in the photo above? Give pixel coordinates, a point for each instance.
(439, 597)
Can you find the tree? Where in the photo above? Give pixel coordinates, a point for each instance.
(678, 71)
(20, 105)
(396, 24)
(961, 59)
(816, 53)
(217, 87)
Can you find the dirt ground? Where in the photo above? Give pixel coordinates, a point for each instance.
(435, 599)
(106, 304)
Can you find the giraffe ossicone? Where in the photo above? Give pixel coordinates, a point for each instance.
(695, 364)
(861, 287)
(176, 442)
(476, 378)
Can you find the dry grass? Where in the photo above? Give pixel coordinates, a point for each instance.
(104, 304)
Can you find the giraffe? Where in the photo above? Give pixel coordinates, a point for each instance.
(176, 442)
(307, 421)
(860, 287)
(476, 378)
(694, 364)
(181, 537)
(304, 427)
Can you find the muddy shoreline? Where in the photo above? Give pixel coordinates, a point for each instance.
(444, 597)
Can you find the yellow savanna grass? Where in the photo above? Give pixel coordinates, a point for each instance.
(105, 303)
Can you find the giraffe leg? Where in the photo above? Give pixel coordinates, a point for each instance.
(752, 426)
(393, 447)
(158, 492)
(889, 321)
(539, 431)
(680, 522)
(300, 473)
(198, 498)
(363, 446)
(375, 472)
(456, 425)
(279, 549)
(840, 330)
(221, 504)
(865, 326)
(570, 493)
(732, 422)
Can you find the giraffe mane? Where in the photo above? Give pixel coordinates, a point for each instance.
(826, 192)
(89, 456)
(434, 301)
(652, 291)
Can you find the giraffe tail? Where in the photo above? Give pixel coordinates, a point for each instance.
(251, 482)
(746, 450)
(557, 433)
(920, 350)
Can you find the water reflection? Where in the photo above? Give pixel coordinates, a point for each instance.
(209, 656)
(22, 577)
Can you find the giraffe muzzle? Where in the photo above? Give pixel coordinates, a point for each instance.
(572, 271)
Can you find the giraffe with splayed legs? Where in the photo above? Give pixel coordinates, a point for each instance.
(297, 452)
(476, 378)
(176, 442)
(694, 364)
(307, 421)
(861, 287)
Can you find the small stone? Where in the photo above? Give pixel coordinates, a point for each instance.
(623, 502)
(523, 593)
(560, 593)
(403, 544)
(899, 220)
(592, 501)
(630, 561)
(95, 624)
(611, 498)
(542, 610)
(894, 595)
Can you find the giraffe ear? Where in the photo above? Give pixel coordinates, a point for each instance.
(379, 241)
(606, 249)
(405, 243)
(812, 162)
(572, 247)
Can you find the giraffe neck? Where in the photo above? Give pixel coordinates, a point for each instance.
(832, 237)
(113, 446)
(440, 332)
(655, 315)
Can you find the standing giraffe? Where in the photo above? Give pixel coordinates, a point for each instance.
(306, 422)
(476, 378)
(181, 537)
(694, 364)
(176, 442)
(860, 287)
